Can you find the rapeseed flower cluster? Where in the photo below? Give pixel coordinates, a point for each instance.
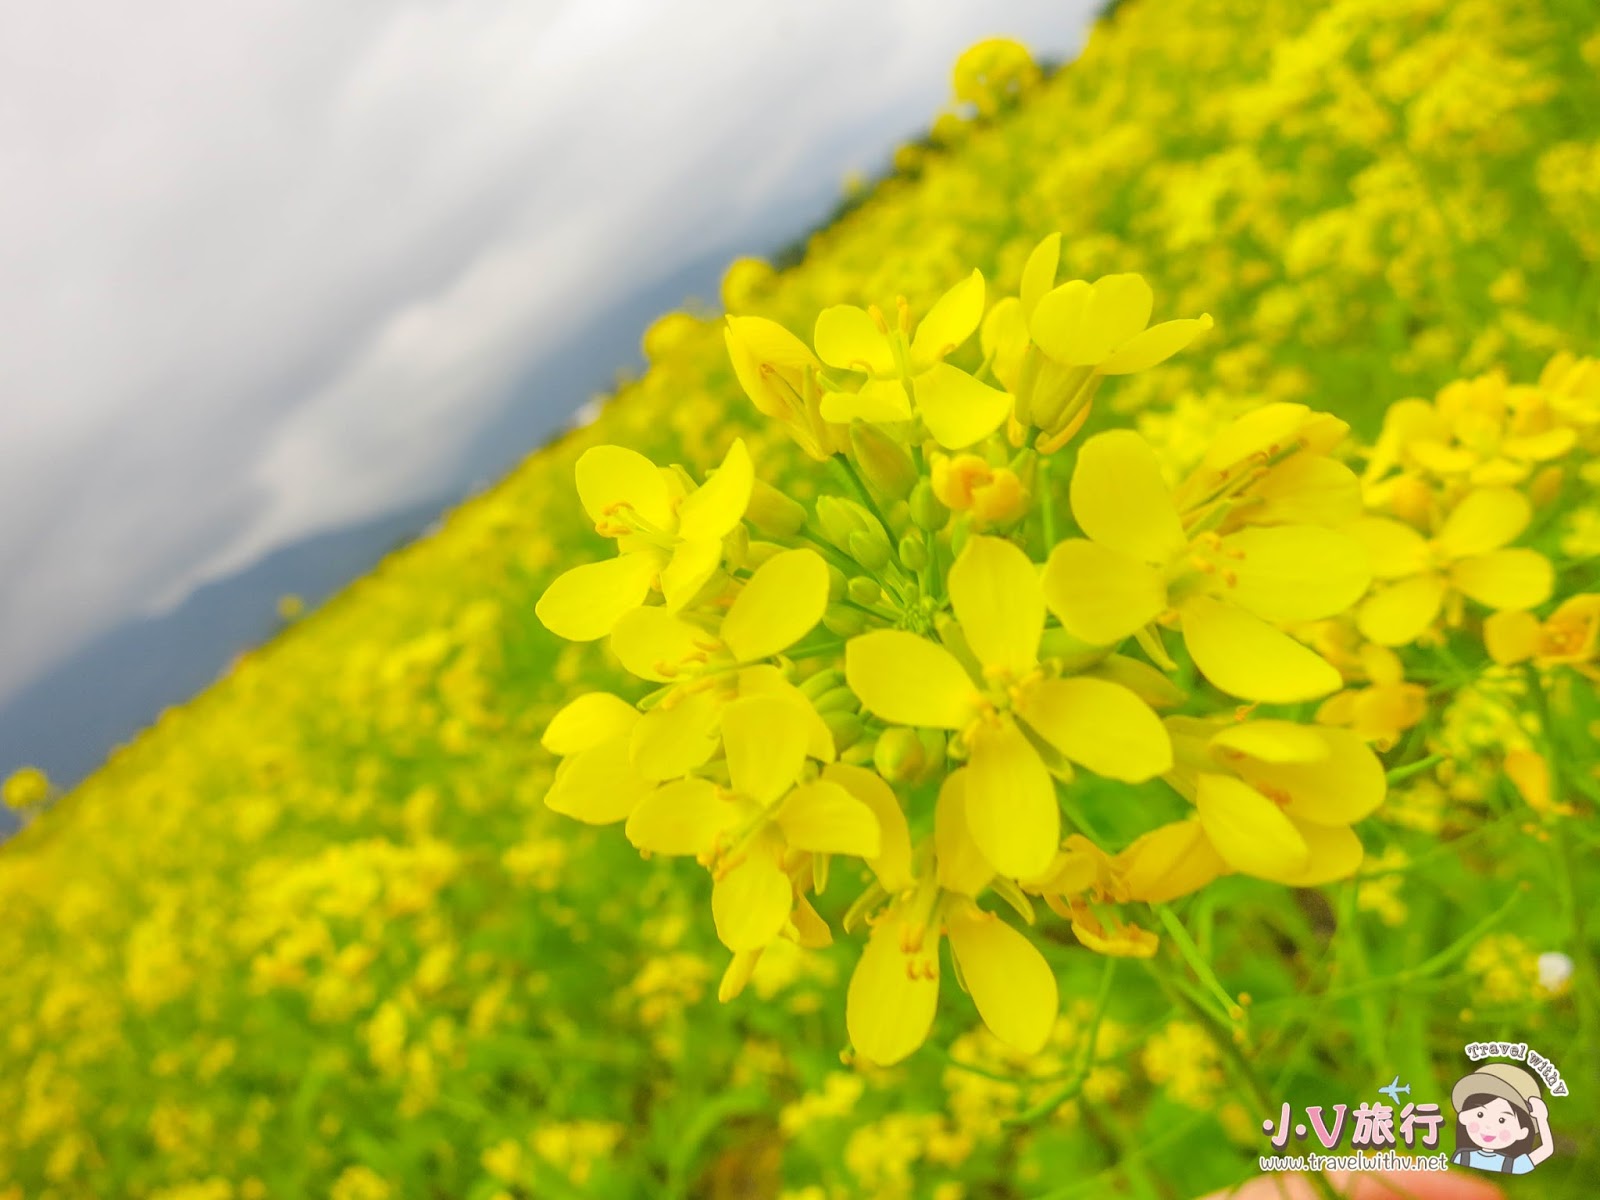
(913, 670)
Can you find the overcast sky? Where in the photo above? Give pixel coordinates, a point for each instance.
(267, 267)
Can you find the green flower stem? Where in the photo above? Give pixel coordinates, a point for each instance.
(1047, 503)
(1354, 957)
(1400, 774)
(853, 478)
(1195, 960)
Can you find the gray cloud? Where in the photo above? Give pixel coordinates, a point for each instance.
(269, 267)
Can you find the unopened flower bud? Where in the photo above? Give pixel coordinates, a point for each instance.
(823, 681)
(846, 728)
(736, 546)
(956, 477)
(899, 755)
(1001, 501)
(882, 461)
(913, 551)
(842, 621)
(864, 590)
(838, 584)
(871, 548)
(898, 517)
(857, 755)
(772, 513)
(927, 510)
(838, 519)
(836, 699)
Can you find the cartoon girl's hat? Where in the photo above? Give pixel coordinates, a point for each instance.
(1513, 1084)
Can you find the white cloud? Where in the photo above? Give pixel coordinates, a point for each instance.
(271, 265)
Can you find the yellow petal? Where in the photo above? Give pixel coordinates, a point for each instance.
(1340, 788)
(718, 505)
(1263, 431)
(1484, 520)
(908, 680)
(610, 477)
(691, 566)
(848, 337)
(1245, 657)
(1119, 308)
(750, 904)
(1056, 317)
(765, 740)
(598, 786)
(1168, 862)
(892, 863)
(683, 817)
(1101, 595)
(1294, 572)
(1271, 742)
(1039, 273)
(957, 409)
(779, 605)
(882, 401)
(889, 1009)
(826, 819)
(768, 680)
(737, 974)
(1307, 489)
(1011, 801)
(959, 864)
(1004, 338)
(1082, 324)
(951, 321)
(1121, 500)
(1510, 637)
(1394, 550)
(1249, 831)
(1099, 725)
(1400, 613)
(1154, 345)
(587, 722)
(654, 644)
(1011, 984)
(676, 736)
(586, 602)
(997, 597)
(1332, 852)
(1505, 579)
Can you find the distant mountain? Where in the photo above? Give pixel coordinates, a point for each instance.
(67, 721)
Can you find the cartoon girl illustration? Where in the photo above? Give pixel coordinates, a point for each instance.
(1501, 1123)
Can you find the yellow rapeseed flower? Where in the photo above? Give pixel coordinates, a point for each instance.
(1469, 557)
(1001, 717)
(665, 539)
(905, 366)
(1226, 592)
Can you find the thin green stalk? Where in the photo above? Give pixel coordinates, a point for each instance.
(1192, 956)
(1400, 774)
(859, 486)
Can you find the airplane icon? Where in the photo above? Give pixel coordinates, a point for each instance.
(1394, 1089)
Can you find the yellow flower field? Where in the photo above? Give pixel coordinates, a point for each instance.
(1102, 645)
